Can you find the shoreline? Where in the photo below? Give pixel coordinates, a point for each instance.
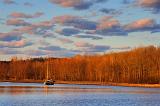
(88, 83)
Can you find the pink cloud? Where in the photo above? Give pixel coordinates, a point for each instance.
(153, 5)
(16, 22)
(67, 3)
(140, 24)
(9, 2)
(43, 24)
(148, 3)
(23, 15)
(10, 36)
(107, 22)
(25, 29)
(35, 27)
(82, 44)
(64, 18)
(106, 18)
(14, 44)
(18, 43)
(77, 4)
(65, 40)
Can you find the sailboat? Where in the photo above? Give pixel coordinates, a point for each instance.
(48, 81)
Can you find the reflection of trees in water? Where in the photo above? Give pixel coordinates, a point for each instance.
(45, 88)
(22, 90)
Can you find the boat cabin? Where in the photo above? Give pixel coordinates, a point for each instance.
(49, 82)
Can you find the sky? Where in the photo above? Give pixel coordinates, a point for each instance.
(65, 28)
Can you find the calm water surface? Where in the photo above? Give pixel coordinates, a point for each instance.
(36, 94)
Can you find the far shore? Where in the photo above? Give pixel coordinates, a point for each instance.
(88, 83)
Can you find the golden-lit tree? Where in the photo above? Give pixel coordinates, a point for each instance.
(141, 65)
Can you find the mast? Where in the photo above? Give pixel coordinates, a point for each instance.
(47, 70)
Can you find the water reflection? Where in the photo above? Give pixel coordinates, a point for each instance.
(30, 94)
(46, 90)
(21, 90)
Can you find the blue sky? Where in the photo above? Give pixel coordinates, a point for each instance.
(64, 28)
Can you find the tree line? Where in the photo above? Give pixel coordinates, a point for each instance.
(140, 65)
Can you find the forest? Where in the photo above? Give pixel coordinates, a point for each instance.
(139, 65)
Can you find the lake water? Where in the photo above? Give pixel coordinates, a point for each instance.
(36, 94)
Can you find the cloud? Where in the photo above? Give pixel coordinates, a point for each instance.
(35, 52)
(10, 36)
(110, 27)
(89, 37)
(153, 5)
(52, 48)
(65, 40)
(28, 4)
(127, 1)
(122, 48)
(107, 24)
(23, 15)
(139, 24)
(26, 29)
(68, 31)
(142, 25)
(98, 48)
(43, 42)
(17, 22)
(57, 51)
(90, 48)
(68, 3)
(82, 44)
(49, 34)
(114, 31)
(111, 11)
(9, 2)
(40, 28)
(76, 4)
(15, 44)
(77, 22)
(83, 5)
(82, 24)
(6, 51)
(46, 24)
(65, 18)
(99, 1)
